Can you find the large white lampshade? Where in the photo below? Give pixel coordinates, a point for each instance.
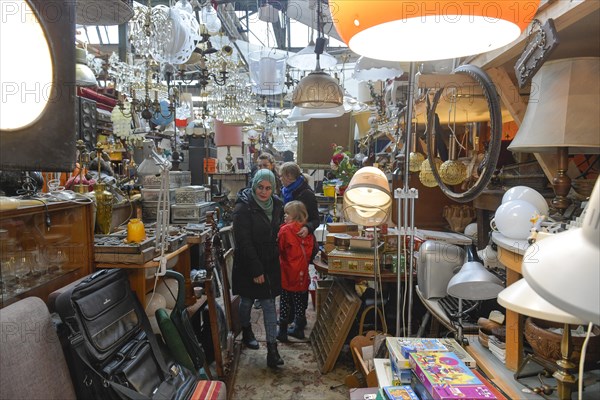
(296, 115)
(367, 200)
(563, 108)
(368, 69)
(562, 116)
(565, 268)
(425, 30)
(521, 298)
(306, 59)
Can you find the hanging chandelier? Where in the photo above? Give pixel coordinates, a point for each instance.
(318, 89)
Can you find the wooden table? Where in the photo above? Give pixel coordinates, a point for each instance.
(510, 254)
(142, 282)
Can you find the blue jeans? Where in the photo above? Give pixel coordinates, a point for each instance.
(269, 316)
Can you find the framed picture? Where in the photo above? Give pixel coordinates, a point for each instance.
(240, 164)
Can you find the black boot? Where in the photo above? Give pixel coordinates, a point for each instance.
(283, 331)
(297, 330)
(248, 338)
(273, 357)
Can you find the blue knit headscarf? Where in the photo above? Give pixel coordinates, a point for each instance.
(264, 175)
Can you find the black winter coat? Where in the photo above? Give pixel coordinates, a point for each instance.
(256, 252)
(306, 195)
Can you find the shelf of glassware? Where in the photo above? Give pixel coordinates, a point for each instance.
(43, 248)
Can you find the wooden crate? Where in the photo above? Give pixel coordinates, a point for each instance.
(338, 311)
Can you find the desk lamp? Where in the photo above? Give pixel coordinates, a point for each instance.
(227, 135)
(520, 297)
(564, 270)
(367, 202)
(473, 282)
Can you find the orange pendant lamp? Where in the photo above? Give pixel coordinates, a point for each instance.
(429, 29)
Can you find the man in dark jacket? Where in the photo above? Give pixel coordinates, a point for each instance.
(296, 187)
(257, 216)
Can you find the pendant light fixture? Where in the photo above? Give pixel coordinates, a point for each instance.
(318, 89)
(429, 29)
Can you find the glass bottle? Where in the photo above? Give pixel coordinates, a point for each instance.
(136, 232)
(104, 200)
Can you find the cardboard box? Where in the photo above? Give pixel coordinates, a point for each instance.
(210, 165)
(399, 362)
(341, 227)
(445, 376)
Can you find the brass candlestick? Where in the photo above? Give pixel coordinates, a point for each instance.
(104, 200)
(84, 159)
(565, 380)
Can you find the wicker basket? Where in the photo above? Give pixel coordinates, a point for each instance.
(546, 344)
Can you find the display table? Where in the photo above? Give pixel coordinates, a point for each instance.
(141, 275)
(510, 254)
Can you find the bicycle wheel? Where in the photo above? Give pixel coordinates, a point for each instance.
(492, 147)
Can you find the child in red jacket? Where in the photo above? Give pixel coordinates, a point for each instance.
(294, 257)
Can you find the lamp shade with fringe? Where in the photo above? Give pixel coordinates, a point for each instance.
(367, 200)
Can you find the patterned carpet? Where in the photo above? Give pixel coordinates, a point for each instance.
(298, 379)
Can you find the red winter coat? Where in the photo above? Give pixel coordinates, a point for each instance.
(294, 262)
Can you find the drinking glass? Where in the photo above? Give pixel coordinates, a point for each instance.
(22, 270)
(58, 258)
(7, 273)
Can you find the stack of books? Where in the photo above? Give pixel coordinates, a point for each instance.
(497, 348)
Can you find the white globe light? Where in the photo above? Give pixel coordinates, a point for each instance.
(529, 195)
(155, 302)
(471, 230)
(514, 219)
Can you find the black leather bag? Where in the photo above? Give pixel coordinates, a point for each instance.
(112, 344)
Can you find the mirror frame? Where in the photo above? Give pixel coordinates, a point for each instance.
(48, 144)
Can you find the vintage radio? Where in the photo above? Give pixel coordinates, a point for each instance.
(195, 213)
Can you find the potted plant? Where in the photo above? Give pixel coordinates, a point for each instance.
(342, 167)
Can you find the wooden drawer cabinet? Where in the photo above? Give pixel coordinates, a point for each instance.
(43, 249)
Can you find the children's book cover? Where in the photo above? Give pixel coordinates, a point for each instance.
(404, 392)
(446, 377)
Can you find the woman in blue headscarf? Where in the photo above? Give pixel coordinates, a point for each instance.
(257, 215)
